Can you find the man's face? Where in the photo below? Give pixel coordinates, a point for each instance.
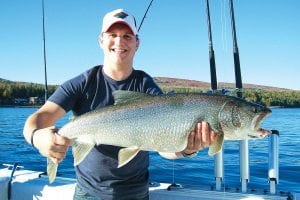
(119, 44)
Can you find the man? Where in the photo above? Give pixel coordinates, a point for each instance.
(97, 175)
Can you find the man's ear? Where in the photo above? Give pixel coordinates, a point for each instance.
(137, 43)
(100, 40)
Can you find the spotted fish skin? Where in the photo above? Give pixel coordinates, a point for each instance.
(138, 121)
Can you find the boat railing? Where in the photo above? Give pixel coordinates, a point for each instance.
(273, 171)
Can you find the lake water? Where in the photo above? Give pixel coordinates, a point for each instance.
(197, 171)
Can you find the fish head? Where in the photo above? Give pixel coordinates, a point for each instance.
(241, 119)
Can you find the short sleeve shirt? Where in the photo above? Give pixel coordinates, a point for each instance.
(98, 173)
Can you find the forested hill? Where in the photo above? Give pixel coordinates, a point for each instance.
(175, 82)
(4, 81)
(25, 93)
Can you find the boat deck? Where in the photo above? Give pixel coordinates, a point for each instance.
(28, 184)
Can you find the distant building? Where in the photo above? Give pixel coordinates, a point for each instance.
(29, 101)
(21, 100)
(33, 100)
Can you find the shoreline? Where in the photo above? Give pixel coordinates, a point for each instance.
(20, 106)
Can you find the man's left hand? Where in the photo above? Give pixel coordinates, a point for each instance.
(200, 138)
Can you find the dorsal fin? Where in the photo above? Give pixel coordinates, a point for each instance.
(124, 96)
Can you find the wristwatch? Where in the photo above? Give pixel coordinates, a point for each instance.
(189, 155)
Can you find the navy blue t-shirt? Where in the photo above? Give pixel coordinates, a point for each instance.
(98, 173)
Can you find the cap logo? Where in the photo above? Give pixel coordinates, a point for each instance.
(121, 15)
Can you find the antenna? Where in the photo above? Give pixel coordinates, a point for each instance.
(45, 63)
(145, 15)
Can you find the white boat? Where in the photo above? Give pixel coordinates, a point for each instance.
(17, 183)
(22, 184)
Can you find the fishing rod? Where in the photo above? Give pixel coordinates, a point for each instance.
(218, 158)
(44, 44)
(213, 76)
(244, 147)
(236, 57)
(145, 15)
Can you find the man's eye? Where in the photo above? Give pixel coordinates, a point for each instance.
(113, 35)
(127, 37)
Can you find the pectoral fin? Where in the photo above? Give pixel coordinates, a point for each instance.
(126, 155)
(216, 146)
(51, 170)
(80, 151)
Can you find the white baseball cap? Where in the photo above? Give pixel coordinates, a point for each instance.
(119, 16)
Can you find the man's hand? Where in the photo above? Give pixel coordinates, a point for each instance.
(50, 144)
(200, 138)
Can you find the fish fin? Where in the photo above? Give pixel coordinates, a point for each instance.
(126, 155)
(51, 170)
(80, 151)
(216, 146)
(123, 96)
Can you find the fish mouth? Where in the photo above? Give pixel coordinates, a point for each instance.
(256, 123)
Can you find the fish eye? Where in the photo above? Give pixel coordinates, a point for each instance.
(251, 109)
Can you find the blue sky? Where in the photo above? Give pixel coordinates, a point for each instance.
(174, 40)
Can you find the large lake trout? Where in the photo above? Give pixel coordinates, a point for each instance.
(138, 121)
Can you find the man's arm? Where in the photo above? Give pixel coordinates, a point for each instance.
(39, 131)
(198, 139)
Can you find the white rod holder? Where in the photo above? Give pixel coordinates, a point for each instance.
(244, 164)
(273, 160)
(219, 169)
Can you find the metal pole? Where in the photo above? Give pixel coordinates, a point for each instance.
(244, 164)
(219, 169)
(218, 158)
(273, 160)
(14, 168)
(44, 44)
(244, 151)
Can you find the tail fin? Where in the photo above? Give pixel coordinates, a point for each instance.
(80, 151)
(51, 170)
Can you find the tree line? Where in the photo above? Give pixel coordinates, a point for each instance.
(270, 98)
(10, 91)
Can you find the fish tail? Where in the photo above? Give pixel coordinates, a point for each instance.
(51, 170)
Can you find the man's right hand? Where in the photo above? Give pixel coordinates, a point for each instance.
(50, 144)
